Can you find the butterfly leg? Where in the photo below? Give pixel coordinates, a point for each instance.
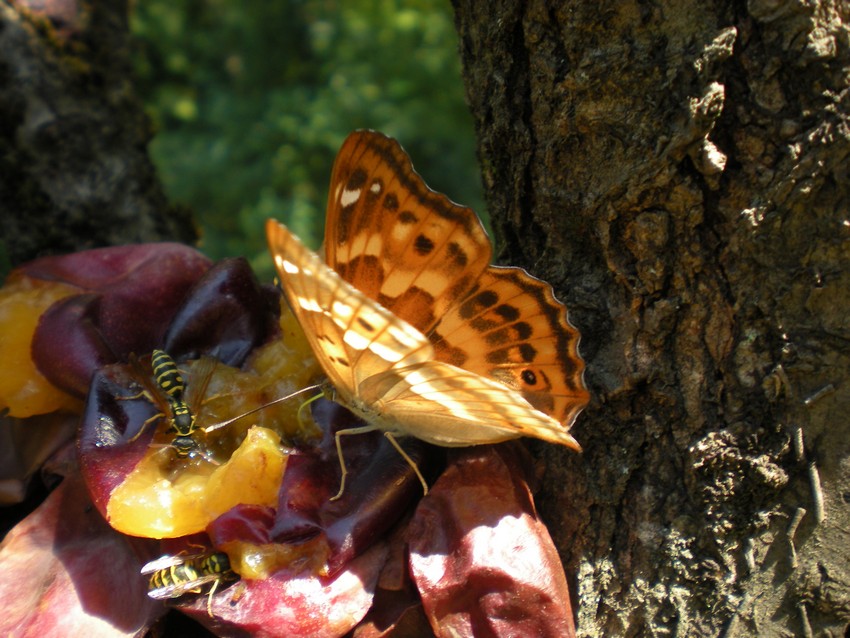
(409, 460)
(360, 430)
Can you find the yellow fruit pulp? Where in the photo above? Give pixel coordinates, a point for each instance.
(153, 504)
(243, 462)
(23, 389)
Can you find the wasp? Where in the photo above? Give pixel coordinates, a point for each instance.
(167, 390)
(181, 574)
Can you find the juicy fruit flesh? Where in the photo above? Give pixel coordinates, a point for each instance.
(23, 389)
(149, 503)
(241, 463)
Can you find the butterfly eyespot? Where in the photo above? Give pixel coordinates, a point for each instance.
(529, 377)
(423, 245)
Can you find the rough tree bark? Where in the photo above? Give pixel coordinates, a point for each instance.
(679, 171)
(74, 169)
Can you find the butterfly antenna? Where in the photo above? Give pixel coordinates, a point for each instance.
(301, 419)
(309, 388)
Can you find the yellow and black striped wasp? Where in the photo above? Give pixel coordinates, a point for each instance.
(176, 401)
(181, 574)
(167, 390)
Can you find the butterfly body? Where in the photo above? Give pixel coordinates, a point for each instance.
(418, 334)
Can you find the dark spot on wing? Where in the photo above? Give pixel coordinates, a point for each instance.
(477, 303)
(444, 352)
(391, 202)
(366, 325)
(509, 313)
(423, 245)
(457, 254)
(498, 337)
(522, 330)
(406, 217)
(527, 351)
(356, 180)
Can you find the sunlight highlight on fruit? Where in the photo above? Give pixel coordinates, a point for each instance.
(152, 503)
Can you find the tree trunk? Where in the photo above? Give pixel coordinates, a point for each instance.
(679, 172)
(74, 169)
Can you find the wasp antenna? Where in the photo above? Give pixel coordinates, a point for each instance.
(309, 388)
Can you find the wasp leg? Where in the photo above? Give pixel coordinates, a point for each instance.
(209, 597)
(144, 425)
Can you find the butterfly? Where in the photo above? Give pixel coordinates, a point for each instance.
(417, 333)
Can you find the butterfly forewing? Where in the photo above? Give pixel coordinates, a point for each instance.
(511, 328)
(400, 243)
(352, 336)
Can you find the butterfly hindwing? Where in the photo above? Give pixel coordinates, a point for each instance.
(446, 405)
(512, 329)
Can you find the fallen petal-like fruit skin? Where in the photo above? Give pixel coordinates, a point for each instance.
(127, 298)
(483, 562)
(294, 603)
(65, 572)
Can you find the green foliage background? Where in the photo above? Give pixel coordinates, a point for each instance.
(252, 100)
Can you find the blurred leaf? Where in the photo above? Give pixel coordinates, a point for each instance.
(252, 101)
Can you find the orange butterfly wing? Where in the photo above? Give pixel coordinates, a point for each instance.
(512, 329)
(352, 337)
(427, 260)
(407, 247)
(384, 369)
